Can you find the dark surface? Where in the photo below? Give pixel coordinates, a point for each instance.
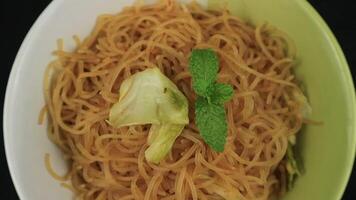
(16, 19)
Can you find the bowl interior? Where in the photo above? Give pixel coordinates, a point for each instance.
(327, 151)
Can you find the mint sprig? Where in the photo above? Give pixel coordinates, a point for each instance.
(219, 93)
(210, 119)
(204, 66)
(210, 115)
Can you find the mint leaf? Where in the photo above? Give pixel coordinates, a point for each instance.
(211, 122)
(219, 93)
(204, 66)
(210, 116)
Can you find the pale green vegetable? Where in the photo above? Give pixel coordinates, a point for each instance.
(292, 163)
(149, 97)
(161, 139)
(292, 166)
(305, 107)
(224, 190)
(292, 139)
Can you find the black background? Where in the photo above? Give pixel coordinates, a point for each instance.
(17, 18)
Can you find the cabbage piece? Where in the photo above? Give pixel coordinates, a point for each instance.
(149, 97)
(305, 107)
(224, 190)
(292, 166)
(161, 139)
(292, 139)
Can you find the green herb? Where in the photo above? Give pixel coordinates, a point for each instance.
(204, 66)
(210, 116)
(219, 93)
(211, 122)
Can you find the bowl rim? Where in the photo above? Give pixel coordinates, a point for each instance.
(16, 67)
(349, 87)
(304, 4)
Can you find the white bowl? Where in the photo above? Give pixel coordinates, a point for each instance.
(26, 142)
